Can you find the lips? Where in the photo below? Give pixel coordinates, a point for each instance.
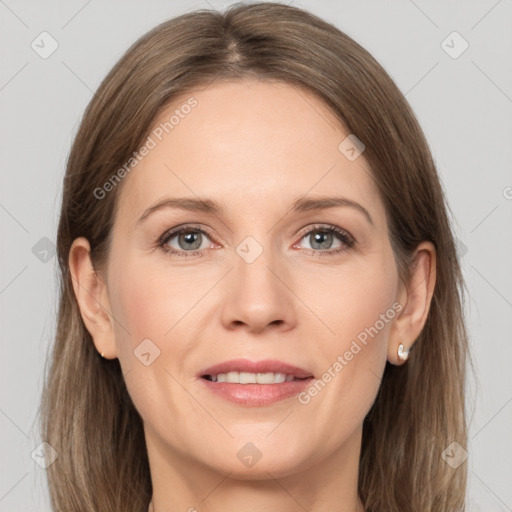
(238, 387)
(265, 366)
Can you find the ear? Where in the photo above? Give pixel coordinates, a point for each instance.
(415, 299)
(91, 294)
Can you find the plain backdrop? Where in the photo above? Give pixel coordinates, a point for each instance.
(461, 96)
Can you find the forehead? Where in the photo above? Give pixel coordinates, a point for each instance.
(248, 144)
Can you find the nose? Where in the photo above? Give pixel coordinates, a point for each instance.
(258, 295)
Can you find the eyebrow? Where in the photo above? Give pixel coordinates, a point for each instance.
(301, 204)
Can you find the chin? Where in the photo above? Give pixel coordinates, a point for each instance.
(263, 469)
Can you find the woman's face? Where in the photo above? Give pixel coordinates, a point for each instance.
(260, 278)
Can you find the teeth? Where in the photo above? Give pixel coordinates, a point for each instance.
(252, 378)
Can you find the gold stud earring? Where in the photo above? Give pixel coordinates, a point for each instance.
(103, 355)
(402, 353)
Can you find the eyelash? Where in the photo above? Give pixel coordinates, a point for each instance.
(342, 235)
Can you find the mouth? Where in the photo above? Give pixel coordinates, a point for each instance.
(255, 384)
(253, 378)
(245, 371)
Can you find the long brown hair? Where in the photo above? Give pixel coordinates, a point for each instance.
(87, 413)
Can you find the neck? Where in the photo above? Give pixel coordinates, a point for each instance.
(328, 484)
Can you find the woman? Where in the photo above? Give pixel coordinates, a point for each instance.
(261, 302)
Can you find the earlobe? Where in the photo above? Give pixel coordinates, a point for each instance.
(416, 299)
(92, 298)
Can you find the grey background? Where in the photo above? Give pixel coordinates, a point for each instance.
(464, 105)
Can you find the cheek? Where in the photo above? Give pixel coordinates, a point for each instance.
(154, 311)
(357, 306)
(352, 299)
(141, 308)
(147, 308)
(141, 303)
(149, 301)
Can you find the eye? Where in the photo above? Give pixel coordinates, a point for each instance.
(323, 237)
(189, 240)
(185, 241)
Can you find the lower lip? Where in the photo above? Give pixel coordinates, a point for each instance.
(254, 395)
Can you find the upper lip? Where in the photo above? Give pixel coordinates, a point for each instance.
(265, 366)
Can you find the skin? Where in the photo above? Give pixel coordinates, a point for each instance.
(253, 147)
